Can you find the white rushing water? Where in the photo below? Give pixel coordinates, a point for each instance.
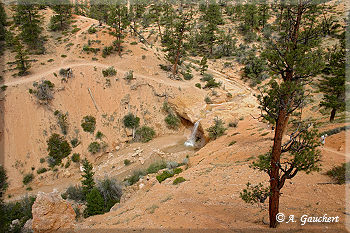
(192, 140)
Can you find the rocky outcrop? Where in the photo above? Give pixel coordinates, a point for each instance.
(188, 106)
(52, 213)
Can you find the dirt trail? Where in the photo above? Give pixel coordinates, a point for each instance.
(336, 152)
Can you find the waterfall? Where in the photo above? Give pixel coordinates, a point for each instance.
(192, 140)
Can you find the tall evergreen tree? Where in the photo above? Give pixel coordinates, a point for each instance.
(119, 20)
(174, 38)
(332, 84)
(88, 182)
(293, 57)
(28, 19)
(3, 18)
(22, 61)
(99, 9)
(63, 14)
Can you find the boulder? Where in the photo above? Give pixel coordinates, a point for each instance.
(52, 213)
(27, 228)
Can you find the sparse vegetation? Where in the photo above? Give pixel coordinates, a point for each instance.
(41, 170)
(179, 180)
(76, 157)
(28, 178)
(58, 149)
(127, 162)
(94, 147)
(172, 121)
(129, 76)
(74, 193)
(62, 121)
(99, 135)
(110, 71)
(44, 91)
(340, 174)
(217, 130)
(144, 134)
(88, 124)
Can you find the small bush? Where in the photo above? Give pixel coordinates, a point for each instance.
(63, 72)
(143, 57)
(155, 167)
(88, 124)
(254, 194)
(75, 142)
(211, 84)
(58, 148)
(179, 180)
(165, 175)
(129, 76)
(99, 135)
(62, 121)
(127, 162)
(233, 124)
(41, 170)
(207, 77)
(232, 143)
(111, 192)
(135, 177)
(198, 85)
(94, 147)
(172, 121)
(133, 43)
(110, 71)
(340, 174)
(28, 178)
(145, 134)
(165, 67)
(172, 164)
(107, 51)
(166, 108)
(3, 87)
(76, 157)
(177, 170)
(42, 160)
(130, 121)
(92, 30)
(67, 164)
(187, 76)
(208, 100)
(217, 130)
(44, 91)
(74, 193)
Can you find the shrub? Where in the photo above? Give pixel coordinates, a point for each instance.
(88, 49)
(42, 160)
(172, 164)
(3, 182)
(207, 77)
(111, 192)
(74, 193)
(166, 108)
(187, 76)
(217, 129)
(232, 143)
(44, 91)
(63, 72)
(208, 100)
(177, 170)
(165, 67)
(129, 76)
(198, 85)
(211, 84)
(99, 135)
(67, 164)
(165, 175)
(110, 71)
(28, 178)
(3, 87)
(75, 142)
(143, 57)
(179, 180)
(135, 177)
(340, 174)
(255, 70)
(127, 162)
(155, 167)
(95, 203)
(92, 30)
(76, 157)
(88, 124)
(145, 134)
(233, 124)
(58, 148)
(133, 43)
(94, 147)
(107, 51)
(62, 121)
(254, 194)
(172, 121)
(41, 170)
(130, 121)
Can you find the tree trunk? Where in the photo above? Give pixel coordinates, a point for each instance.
(332, 114)
(274, 175)
(160, 31)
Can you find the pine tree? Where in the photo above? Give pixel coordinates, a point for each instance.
(22, 61)
(332, 84)
(174, 38)
(119, 20)
(136, 12)
(61, 19)
(99, 9)
(88, 182)
(156, 15)
(95, 203)
(3, 18)
(294, 58)
(28, 19)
